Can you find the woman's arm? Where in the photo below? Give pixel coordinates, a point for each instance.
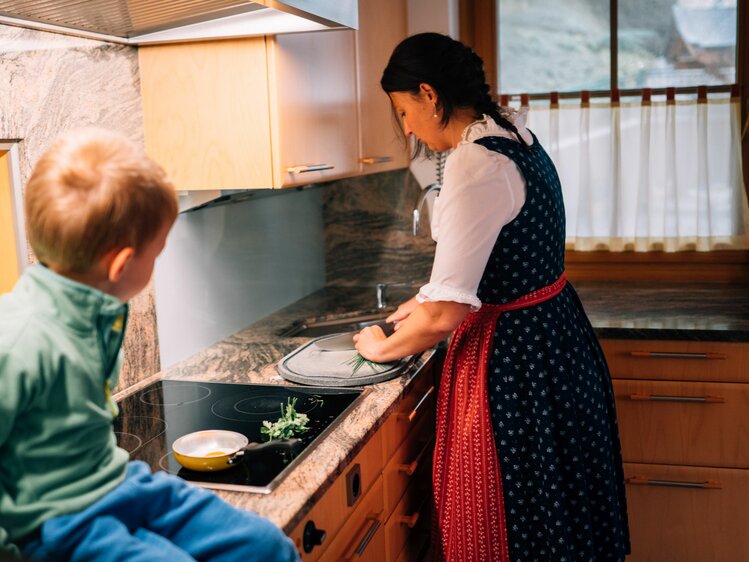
(428, 324)
(403, 312)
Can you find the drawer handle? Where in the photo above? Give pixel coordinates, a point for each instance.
(707, 399)
(376, 159)
(409, 520)
(374, 524)
(409, 469)
(644, 481)
(679, 354)
(309, 168)
(410, 417)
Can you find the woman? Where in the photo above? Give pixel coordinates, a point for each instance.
(527, 464)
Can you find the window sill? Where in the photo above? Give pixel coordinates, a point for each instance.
(725, 266)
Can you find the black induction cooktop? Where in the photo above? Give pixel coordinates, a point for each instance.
(153, 418)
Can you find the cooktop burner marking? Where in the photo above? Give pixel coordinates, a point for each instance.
(265, 406)
(175, 394)
(128, 441)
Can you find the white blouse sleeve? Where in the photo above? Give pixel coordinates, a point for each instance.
(482, 192)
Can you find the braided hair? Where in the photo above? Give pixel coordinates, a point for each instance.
(452, 69)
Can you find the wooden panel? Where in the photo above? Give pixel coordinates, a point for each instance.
(413, 454)
(382, 25)
(313, 92)
(680, 524)
(362, 538)
(332, 511)
(723, 266)
(418, 403)
(699, 361)
(8, 253)
(669, 429)
(478, 28)
(206, 112)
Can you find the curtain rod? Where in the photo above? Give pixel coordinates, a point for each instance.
(586, 95)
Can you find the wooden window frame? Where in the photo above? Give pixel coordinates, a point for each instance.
(478, 28)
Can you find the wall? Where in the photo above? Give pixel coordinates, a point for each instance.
(50, 83)
(225, 267)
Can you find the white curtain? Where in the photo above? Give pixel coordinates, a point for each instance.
(648, 175)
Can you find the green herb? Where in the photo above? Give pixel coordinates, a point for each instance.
(316, 400)
(358, 362)
(290, 424)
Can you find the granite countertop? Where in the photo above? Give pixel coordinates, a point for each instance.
(616, 310)
(667, 311)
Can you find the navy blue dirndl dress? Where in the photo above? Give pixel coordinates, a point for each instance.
(550, 395)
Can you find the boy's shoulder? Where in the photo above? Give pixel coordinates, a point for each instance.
(24, 330)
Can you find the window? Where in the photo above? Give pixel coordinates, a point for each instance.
(574, 45)
(610, 83)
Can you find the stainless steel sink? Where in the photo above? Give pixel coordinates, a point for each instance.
(322, 327)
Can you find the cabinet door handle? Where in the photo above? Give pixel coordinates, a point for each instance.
(374, 524)
(645, 481)
(410, 417)
(707, 399)
(309, 168)
(376, 159)
(677, 354)
(409, 520)
(409, 469)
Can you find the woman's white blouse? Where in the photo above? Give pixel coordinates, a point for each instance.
(482, 191)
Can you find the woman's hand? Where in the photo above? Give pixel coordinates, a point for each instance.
(424, 325)
(368, 342)
(402, 312)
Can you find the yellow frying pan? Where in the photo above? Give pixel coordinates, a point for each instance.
(218, 449)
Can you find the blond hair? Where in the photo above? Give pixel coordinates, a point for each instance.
(92, 192)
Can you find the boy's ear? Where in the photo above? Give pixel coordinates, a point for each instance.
(118, 263)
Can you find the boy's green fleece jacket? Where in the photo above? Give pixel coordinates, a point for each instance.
(59, 359)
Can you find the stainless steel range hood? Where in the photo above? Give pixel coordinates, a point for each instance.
(138, 22)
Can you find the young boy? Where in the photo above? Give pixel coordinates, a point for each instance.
(98, 213)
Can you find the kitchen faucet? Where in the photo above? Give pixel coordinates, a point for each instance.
(381, 296)
(420, 204)
(423, 195)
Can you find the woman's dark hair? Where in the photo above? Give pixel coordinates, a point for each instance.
(452, 69)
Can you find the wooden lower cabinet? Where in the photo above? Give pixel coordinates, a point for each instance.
(683, 413)
(386, 521)
(680, 513)
(325, 521)
(690, 423)
(410, 517)
(362, 537)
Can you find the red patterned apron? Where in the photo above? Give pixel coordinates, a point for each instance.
(469, 502)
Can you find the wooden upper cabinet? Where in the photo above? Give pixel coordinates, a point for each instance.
(239, 113)
(207, 113)
(382, 25)
(313, 106)
(274, 111)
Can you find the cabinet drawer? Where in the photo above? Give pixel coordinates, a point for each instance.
(342, 499)
(677, 360)
(683, 422)
(419, 403)
(363, 536)
(411, 512)
(405, 466)
(687, 514)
